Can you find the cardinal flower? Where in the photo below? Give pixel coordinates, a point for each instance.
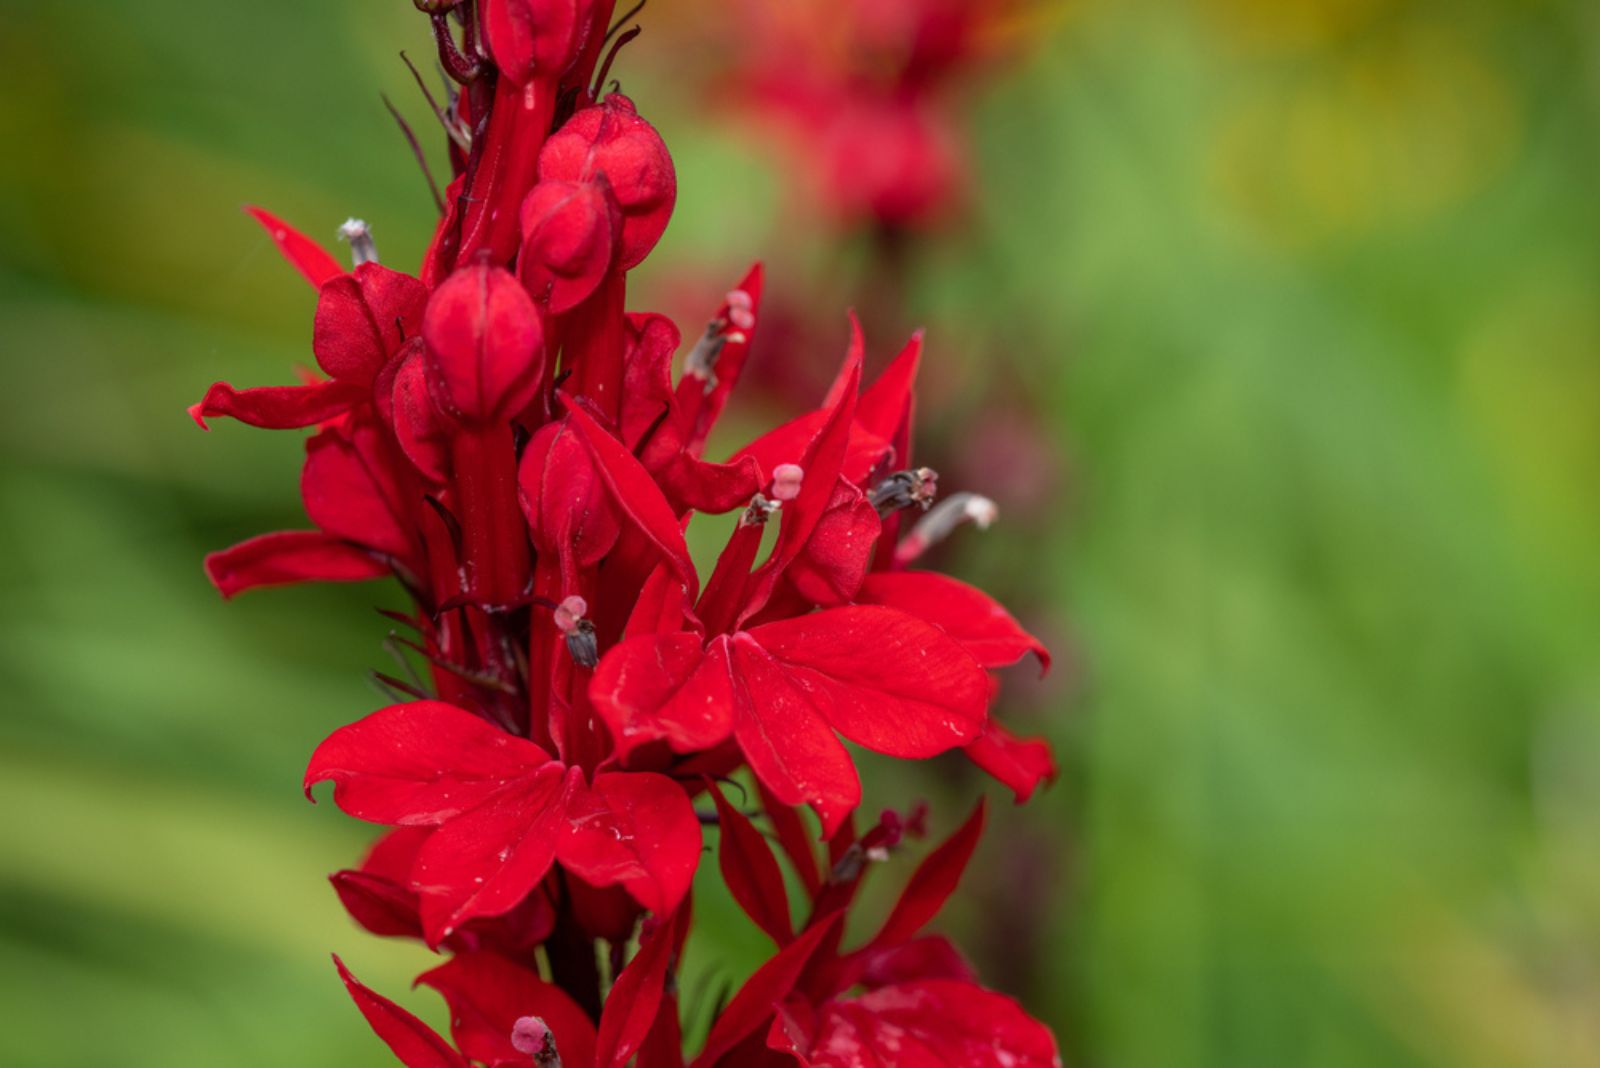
(505, 439)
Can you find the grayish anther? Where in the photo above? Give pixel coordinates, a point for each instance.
(359, 234)
(702, 358)
(760, 510)
(903, 489)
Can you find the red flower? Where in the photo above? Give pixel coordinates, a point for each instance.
(504, 812)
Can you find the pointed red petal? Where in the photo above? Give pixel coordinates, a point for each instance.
(932, 883)
(788, 745)
(287, 557)
(1020, 763)
(487, 994)
(636, 493)
(756, 1001)
(964, 612)
(884, 679)
(751, 871)
(414, 1042)
(793, 837)
(487, 860)
(664, 686)
(692, 395)
(634, 998)
(636, 829)
(419, 763)
(277, 407)
(304, 254)
(820, 463)
(885, 408)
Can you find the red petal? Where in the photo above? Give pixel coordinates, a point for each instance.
(932, 883)
(729, 365)
(378, 896)
(644, 408)
(487, 994)
(933, 957)
(414, 1042)
(569, 239)
(304, 254)
(830, 569)
(611, 139)
(362, 319)
(793, 837)
(485, 344)
(637, 494)
(419, 763)
(755, 1002)
(634, 998)
(789, 746)
(964, 612)
(349, 489)
(1020, 763)
(885, 408)
(821, 463)
(487, 860)
(937, 1022)
(884, 679)
(751, 871)
(633, 828)
(654, 686)
(287, 557)
(277, 407)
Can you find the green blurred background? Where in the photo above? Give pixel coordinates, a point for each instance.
(1304, 298)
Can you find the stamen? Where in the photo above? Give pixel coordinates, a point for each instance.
(570, 621)
(532, 1036)
(760, 510)
(942, 521)
(702, 357)
(362, 247)
(902, 489)
(786, 479)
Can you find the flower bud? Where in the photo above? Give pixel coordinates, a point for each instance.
(529, 37)
(611, 139)
(485, 345)
(569, 240)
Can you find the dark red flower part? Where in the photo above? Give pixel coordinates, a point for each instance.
(508, 442)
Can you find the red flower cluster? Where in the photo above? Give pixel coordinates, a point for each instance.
(858, 85)
(506, 441)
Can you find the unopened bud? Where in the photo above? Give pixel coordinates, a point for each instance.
(786, 480)
(359, 234)
(532, 1036)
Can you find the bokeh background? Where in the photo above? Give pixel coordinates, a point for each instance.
(1273, 326)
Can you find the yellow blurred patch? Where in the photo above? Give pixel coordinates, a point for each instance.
(1390, 134)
